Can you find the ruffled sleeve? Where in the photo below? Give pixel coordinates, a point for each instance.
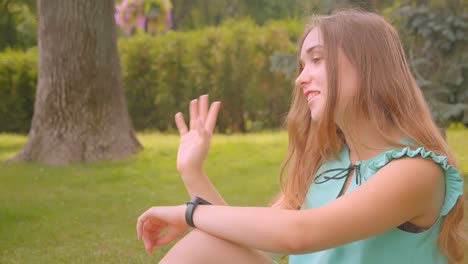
(453, 178)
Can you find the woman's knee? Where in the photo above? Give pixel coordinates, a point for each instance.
(200, 247)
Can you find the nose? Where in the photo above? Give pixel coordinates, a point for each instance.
(303, 79)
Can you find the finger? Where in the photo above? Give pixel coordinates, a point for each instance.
(140, 223)
(139, 227)
(200, 127)
(211, 118)
(155, 236)
(149, 227)
(203, 107)
(147, 243)
(193, 113)
(151, 231)
(180, 123)
(167, 238)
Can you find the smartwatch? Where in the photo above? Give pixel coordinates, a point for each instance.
(191, 208)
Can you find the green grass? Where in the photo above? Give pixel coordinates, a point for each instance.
(87, 213)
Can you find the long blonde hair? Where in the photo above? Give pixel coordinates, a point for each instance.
(388, 96)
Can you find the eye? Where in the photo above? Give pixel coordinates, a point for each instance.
(316, 59)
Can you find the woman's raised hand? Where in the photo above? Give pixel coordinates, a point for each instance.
(195, 140)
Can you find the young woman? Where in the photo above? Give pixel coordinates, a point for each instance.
(368, 176)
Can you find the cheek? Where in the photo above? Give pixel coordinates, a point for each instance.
(347, 79)
(346, 93)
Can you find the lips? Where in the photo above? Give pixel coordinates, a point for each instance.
(311, 94)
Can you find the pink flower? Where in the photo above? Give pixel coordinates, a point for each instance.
(140, 21)
(130, 14)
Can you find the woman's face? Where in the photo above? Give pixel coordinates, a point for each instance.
(312, 79)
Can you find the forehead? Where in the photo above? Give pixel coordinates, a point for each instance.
(313, 38)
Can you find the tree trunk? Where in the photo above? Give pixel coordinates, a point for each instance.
(80, 113)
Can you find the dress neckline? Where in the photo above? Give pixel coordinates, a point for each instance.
(347, 154)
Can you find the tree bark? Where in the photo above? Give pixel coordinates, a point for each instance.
(80, 113)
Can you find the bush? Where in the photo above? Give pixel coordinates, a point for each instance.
(231, 62)
(18, 77)
(161, 74)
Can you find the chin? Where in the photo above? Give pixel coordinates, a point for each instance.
(315, 116)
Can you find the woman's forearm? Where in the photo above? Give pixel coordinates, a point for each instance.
(197, 183)
(266, 229)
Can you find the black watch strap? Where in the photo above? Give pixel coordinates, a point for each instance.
(191, 208)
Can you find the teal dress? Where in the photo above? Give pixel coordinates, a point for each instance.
(394, 245)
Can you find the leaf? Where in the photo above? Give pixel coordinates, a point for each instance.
(454, 75)
(449, 34)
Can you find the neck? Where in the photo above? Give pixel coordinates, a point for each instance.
(365, 143)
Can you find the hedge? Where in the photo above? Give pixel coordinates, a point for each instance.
(234, 63)
(18, 77)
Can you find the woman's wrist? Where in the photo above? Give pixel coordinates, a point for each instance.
(190, 209)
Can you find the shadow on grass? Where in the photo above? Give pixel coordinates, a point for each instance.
(10, 148)
(13, 217)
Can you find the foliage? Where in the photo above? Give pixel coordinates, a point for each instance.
(200, 13)
(251, 68)
(232, 63)
(143, 14)
(436, 41)
(18, 77)
(18, 25)
(87, 213)
(195, 14)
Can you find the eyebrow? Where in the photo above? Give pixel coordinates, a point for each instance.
(311, 49)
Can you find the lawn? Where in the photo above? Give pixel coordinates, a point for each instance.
(87, 213)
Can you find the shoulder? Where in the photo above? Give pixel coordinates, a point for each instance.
(416, 172)
(422, 172)
(418, 178)
(415, 166)
(414, 169)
